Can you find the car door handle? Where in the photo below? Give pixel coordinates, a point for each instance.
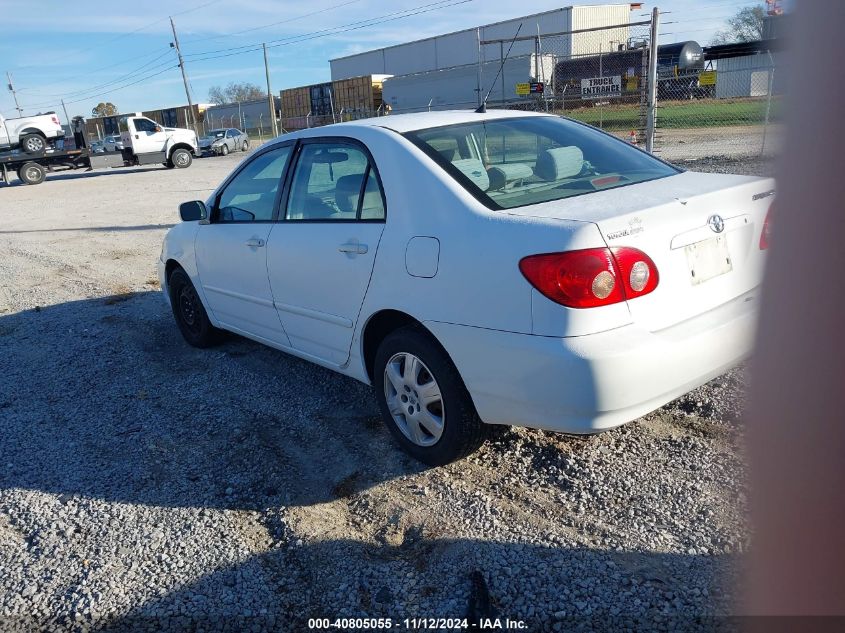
(353, 247)
(255, 242)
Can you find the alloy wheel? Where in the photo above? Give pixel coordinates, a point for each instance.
(414, 399)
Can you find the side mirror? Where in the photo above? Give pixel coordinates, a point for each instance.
(193, 211)
(159, 128)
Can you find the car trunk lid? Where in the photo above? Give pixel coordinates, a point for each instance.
(701, 230)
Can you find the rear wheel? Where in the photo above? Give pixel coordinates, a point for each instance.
(32, 173)
(33, 143)
(189, 312)
(245, 146)
(423, 400)
(181, 158)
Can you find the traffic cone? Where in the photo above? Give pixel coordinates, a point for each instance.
(632, 139)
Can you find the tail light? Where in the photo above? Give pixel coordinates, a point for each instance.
(55, 119)
(591, 277)
(767, 227)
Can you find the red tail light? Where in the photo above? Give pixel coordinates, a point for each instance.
(55, 119)
(591, 277)
(767, 227)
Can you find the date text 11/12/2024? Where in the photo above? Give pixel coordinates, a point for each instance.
(416, 624)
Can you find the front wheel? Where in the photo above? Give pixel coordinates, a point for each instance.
(423, 400)
(189, 312)
(181, 158)
(224, 150)
(33, 143)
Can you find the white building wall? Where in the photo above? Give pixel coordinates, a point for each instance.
(461, 48)
(455, 88)
(746, 76)
(589, 17)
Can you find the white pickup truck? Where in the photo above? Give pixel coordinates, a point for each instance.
(33, 134)
(146, 142)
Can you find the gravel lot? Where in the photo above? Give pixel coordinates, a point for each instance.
(147, 484)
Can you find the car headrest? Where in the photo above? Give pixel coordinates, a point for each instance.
(347, 193)
(473, 169)
(559, 163)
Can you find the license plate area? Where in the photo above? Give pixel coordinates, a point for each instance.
(708, 259)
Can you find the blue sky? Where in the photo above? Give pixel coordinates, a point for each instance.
(87, 52)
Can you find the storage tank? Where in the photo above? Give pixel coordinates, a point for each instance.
(685, 55)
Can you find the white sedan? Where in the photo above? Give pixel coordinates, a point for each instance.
(478, 269)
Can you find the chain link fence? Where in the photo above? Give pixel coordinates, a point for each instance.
(597, 75)
(728, 106)
(678, 100)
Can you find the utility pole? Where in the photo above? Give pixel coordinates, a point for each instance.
(270, 93)
(67, 118)
(14, 94)
(175, 45)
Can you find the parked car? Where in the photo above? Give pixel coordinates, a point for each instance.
(221, 142)
(111, 143)
(33, 134)
(501, 268)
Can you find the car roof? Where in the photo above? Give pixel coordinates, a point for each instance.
(421, 120)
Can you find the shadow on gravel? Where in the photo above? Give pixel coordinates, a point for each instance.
(105, 229)
(102, 398)
(573, 588)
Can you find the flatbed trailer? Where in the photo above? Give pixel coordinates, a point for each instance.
(32, 169)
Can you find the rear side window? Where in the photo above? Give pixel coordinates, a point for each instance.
(251, 195)
(334, 181)
(515, 162)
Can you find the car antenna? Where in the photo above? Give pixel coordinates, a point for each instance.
(483, 107)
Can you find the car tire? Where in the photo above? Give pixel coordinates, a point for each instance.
(190, 313)
(245, 146)
(181, 159)
(32, 173)
(224, 150)
(419, 365)
(33, 143)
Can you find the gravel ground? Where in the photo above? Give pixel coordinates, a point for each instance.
(149, 485)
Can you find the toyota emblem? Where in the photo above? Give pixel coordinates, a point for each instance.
(716, 223)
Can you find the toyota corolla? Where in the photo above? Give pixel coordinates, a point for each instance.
(478, 269)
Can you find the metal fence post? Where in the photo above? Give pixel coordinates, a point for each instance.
(478, 80)
(652, 82)
(768, 102)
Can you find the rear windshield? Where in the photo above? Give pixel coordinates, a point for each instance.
(510, 163)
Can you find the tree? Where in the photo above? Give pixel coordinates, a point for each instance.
(104, 109)
(235, 92)
(745, 26)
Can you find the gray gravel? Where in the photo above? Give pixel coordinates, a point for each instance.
(149, 485)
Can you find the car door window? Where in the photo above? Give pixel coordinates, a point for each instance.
(251, 195)
(328, 184)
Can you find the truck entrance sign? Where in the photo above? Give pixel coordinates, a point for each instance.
(601, 87)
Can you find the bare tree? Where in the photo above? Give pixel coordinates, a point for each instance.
(745, 26)
(235, 92)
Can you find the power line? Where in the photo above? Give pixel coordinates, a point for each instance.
(272, 24)
(352, 26)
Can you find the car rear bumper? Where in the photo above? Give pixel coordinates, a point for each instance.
(591, 383)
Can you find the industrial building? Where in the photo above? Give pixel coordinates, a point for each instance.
(461, 48)
(444, 71)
